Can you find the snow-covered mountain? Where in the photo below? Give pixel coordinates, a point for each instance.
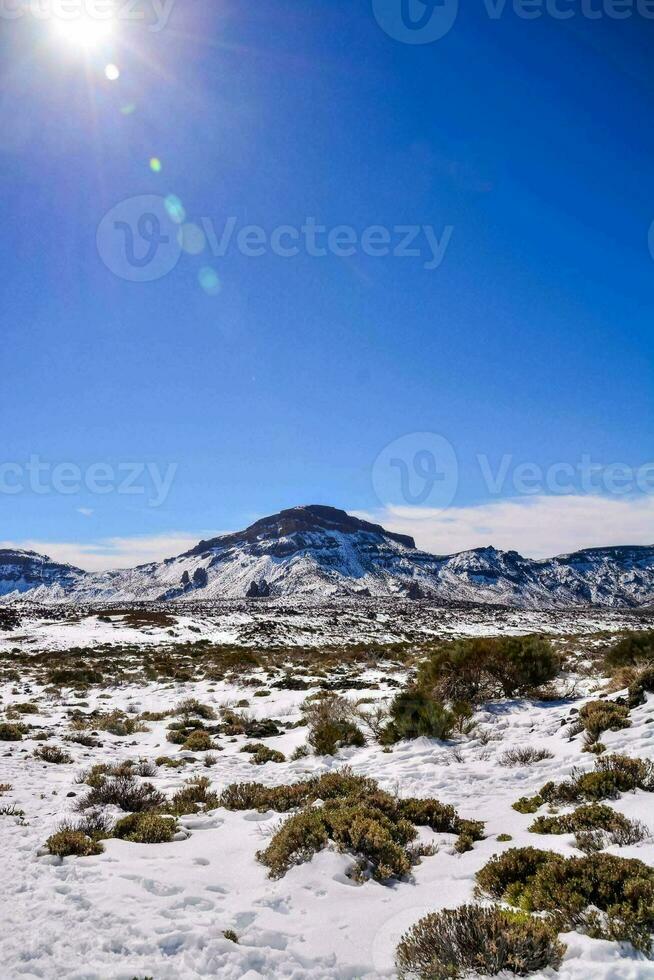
(25, 572)
(321, 552)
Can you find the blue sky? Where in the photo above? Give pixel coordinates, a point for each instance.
(530, 140)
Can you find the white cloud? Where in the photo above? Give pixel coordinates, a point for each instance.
(85, 511)
(110, 553)
(537, 527)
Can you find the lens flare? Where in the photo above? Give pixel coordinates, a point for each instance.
(83, 31)
(112, 72)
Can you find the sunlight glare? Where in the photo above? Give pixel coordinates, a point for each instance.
(84, 31)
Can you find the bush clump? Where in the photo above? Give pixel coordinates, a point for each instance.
(124, 792)
(53, 754)
(198, 741)
(606, 896)
(455, 942)
(146, 828)
(194, 796)
(414, 713)
(332, 724)
(642, 685)
(69, 841)
(594, 826)
(526, 756)
(597, 717)
(612, 776)
(11, 733)
(262, 753)
(355, 814)
(635, 649)
(483, 668)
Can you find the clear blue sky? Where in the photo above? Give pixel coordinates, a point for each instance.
(533, 139)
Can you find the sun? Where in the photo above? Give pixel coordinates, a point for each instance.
(84, 31)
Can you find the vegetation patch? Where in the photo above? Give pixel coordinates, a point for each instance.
(594, 826)
(456, 942)
(146, 828)
(612, 776)
(355, 815)
(606, 896)
(52, 754)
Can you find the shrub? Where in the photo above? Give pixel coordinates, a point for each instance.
(53, 754)
(606, 896)
(331, 721)
(633, 650)
(195, 794)
(453, 943)
(198, 741)
(482, 668)
(378, 842)
(146, 828)
(612, 775)
(603, 716)
(642, 684)
(526, 756)
(68, 841)
(74, 677)
(355, 814)
(594, 826)
(261, 754)
(11, 733)
(191, 707)
(115, 722)
(123, 792)
(414, 714)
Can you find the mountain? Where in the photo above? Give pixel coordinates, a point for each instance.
(320, 551)
(25, 571)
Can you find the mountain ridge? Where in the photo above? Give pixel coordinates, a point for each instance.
(321, 551)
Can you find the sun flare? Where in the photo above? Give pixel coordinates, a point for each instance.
(84, 31)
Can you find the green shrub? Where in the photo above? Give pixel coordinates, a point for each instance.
(191, 707)
(11, 733)
(525, 756)
(414, 714)
(194, 796)
(146, 828)
(198, 741)
(123, 792)
(479, 669)
(262, 753)
(50, 753)
(68, 841)
(378, 842)
(613, 775)
(328, 738)
(606, 896)
(454, 943)
(633, 650)
(354, 811)
(603, 716)
(331, 720)
(642, 684)
(594, 825)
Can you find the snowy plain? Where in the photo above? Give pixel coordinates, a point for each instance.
(160, 911)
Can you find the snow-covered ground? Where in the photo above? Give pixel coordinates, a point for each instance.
(160, 911)
(275, 622)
